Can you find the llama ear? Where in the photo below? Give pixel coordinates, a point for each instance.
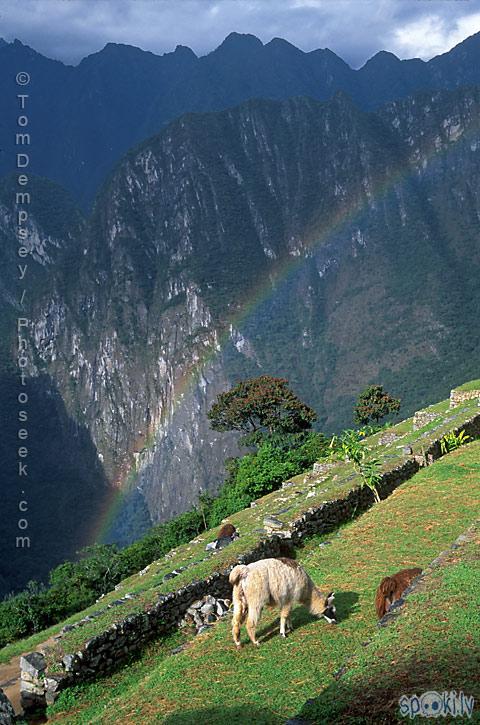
(329, 599)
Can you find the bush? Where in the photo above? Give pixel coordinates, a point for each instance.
(23, 614)
(278, 458)
(451, 441)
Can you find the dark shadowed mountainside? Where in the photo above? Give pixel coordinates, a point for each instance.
(83, 118)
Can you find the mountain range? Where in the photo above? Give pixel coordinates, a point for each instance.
(332, 242)
(83, 118)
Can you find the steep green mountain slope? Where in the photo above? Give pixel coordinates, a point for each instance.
(83, 118)
(410, 657)
(210, 681)
(309, 240)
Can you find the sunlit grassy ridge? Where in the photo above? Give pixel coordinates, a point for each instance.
(471, 385)
(434, 645)
(211, 682)
(306, 493)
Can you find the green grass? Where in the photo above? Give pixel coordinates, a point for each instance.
(30, 643)
(211, 682)
(338, 482)
(467, 387)
(434, 645)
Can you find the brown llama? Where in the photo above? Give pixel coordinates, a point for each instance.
(227, 531)
(391, 588)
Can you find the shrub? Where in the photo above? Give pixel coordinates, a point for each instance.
(371, 474)
(23, 614)
(348, 446)
(452, 441)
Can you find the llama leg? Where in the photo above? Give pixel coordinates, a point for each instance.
(289, 625)
(252, 621)
(239, 614)
(285, 619)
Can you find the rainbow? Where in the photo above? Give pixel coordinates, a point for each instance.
(344, 216)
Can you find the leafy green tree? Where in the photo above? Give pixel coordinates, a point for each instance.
(278, 458)
(23, 613)
(259, 406)
(374, 403)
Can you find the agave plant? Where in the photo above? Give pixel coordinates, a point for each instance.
(451, 441)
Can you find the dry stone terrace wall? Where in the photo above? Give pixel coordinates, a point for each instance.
(103, 653)
(457, 397)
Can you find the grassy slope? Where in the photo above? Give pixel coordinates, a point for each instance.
(337, 482)
(468, 387)
(211, 682)
(434, 645)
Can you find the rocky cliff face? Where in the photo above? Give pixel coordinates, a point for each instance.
(58, 501)
(310, 240)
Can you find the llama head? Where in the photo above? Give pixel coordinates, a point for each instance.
(330, 611)
(321, 605)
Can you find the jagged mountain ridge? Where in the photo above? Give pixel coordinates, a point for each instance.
(84, 118)
(354, 232)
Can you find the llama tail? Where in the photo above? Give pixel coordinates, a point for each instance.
(237, 573)
(383, 596)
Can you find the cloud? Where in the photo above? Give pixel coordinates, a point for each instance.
(432, 35)
(354, 29)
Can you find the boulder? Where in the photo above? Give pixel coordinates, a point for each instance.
(33, 663)
(222, 607)
(322, 467)
(270, 522)
(223, 542)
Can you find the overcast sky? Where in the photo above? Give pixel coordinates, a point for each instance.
(354, 29)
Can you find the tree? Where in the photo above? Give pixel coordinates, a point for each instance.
(258, 406)
(374, 403)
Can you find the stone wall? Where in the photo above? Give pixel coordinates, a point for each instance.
(109, 649)
(422, 418)
(461, 396)
(106, 651)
